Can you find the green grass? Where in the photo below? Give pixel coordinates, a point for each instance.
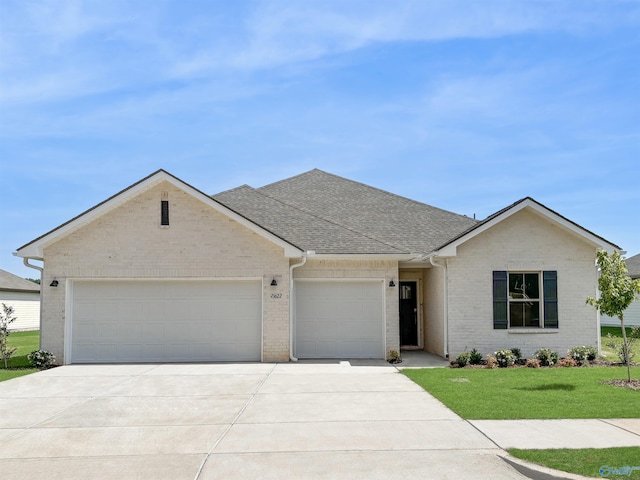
(528, 393)
(18, 364)
(610, 353)
(15, 373)
(614, 331)
(587, 461)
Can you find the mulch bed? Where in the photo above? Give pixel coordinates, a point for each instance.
(633, 384)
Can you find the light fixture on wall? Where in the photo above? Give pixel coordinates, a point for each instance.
(274, 283)
(54, 283)
(392, 283)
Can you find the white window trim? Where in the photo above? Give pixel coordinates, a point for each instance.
(539, 300)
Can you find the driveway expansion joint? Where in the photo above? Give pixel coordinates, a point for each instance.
(233, 422)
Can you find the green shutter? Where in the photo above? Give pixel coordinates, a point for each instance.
(550, 292)
(500, 300)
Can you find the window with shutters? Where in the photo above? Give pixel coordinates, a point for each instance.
(525, 300)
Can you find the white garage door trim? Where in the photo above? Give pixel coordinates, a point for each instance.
(377, 285)
(69, 303)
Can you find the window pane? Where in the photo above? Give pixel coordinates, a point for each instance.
(516, 285)
(524, 314)
(532, 285)
(531, 314)
(516, 314)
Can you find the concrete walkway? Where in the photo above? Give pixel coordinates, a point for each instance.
(312, 420)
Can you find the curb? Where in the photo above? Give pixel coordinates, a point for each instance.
(538, 472)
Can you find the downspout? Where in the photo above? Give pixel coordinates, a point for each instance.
(446, 304)
(25, 260)
(291, 268)
(598, 317)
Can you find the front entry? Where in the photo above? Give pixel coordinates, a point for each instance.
(409, 314)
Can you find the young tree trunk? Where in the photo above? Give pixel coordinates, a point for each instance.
(625, 345)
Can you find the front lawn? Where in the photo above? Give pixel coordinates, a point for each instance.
(18, 364)
(590, 462)
(528, 393)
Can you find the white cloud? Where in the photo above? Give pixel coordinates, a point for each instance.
(279, 33)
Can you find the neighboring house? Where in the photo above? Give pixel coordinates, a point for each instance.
(632, 314)
(24, 296)
(313, 266)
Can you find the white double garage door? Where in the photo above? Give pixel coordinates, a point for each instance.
(129, 321)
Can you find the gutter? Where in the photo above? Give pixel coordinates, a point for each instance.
(291, 268)
(446, 304)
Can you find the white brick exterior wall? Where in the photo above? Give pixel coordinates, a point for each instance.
(369, 269)
(128, 242)
(523, 242)
(433, 311)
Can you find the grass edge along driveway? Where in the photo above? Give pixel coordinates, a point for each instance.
(616, 462)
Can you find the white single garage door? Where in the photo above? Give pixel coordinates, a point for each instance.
(166, 321)
(339, 319)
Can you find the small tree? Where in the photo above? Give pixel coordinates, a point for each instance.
(6, 318)
(617, 292)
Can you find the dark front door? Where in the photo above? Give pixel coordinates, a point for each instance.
(408, 313)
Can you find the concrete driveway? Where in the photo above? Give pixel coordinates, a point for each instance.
(212, 421)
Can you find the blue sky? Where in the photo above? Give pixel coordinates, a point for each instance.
(465, 105)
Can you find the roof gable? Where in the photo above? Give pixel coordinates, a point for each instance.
(448, 249)
(34, 249)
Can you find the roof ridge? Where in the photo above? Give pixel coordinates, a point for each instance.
(290, 178)
(307, 212)
(240, 187)
(370, 187)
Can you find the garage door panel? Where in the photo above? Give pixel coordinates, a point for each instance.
(158, 321)
(339, 319)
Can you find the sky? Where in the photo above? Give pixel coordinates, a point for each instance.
(465, 105)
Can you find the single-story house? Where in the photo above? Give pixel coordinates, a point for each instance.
(632, 314)
(24, 296)
(313, 266)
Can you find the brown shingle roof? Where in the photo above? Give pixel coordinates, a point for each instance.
(330, 214)
(13, 283)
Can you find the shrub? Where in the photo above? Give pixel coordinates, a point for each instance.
(567, 362)
(582, 355)
(533, 363)
(463, 359)
(624, 352)
(475, 357)
(505, 358)
(491, 361)
(547, 357)
(42, 359)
